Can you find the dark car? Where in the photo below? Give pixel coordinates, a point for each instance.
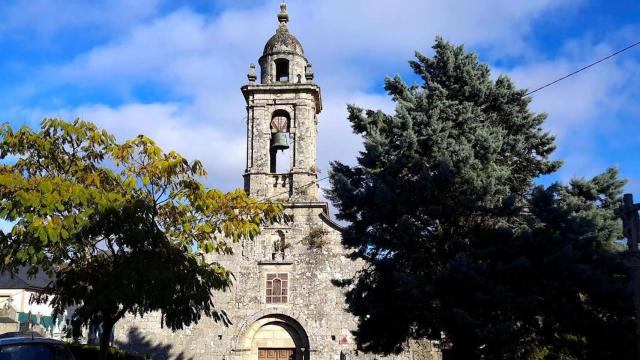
(20, 334)
(33, 348)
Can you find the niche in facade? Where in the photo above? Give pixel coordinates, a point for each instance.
(280, 245)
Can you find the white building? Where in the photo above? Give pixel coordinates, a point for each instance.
(17, 311)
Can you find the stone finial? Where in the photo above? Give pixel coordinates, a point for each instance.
(283, 17)
(308, 72)
(252, 74)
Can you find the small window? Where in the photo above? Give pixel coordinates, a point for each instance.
(277, 288)
(282, 70)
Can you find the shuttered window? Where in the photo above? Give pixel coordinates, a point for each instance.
(277, 288)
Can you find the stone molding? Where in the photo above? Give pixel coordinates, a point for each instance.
(245, 331)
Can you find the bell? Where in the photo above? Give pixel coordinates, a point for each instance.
(279, 141)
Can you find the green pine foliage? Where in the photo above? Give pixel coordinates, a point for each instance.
(460, 245)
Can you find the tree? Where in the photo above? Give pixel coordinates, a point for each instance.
(122, 228)
(457, 239)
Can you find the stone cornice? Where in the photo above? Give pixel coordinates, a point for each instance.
(275, 88)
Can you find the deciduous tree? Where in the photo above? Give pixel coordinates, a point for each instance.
(122, 228)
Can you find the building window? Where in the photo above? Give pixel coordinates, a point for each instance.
(282, 70)
(277, 288)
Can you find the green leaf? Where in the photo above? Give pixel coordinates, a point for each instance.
(42, 234)
(88, 198)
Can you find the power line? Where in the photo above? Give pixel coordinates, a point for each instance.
(527, 94)
(584, 68)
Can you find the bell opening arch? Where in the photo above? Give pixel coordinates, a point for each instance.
(280, 151)
(282, 70)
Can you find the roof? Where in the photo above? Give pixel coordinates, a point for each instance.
(283, 41)
(21, 280)
(21, 339)
(325, 217)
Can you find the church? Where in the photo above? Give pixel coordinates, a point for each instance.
(283, 304)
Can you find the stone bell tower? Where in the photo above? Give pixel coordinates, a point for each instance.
(282, 121)
(284, 303)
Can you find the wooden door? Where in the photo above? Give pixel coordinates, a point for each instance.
(276, 354)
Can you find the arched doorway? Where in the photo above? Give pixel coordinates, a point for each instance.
(274, 337)
(275, 341)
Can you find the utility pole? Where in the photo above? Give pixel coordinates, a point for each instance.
(631, 230)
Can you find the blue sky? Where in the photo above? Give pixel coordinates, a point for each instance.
(172, 69)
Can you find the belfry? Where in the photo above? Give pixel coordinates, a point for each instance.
(282, 109)
(284, 304)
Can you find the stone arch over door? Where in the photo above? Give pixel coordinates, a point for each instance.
(254, 334)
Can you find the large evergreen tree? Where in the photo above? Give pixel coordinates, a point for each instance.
(460, 245)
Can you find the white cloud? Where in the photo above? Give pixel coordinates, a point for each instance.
(45, 18)
(336, 141)
(205, 59)
(194, 51)
(587, 110)
(222, 153)
(378, 28)
(200, 62)
(590, 92)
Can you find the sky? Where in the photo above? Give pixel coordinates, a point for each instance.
(172, 69)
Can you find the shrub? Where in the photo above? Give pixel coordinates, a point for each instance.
(317, 237)
(92, 352)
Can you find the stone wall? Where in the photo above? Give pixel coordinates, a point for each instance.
(314, 318)
(314, 315)
(6, 327)
(301, 103)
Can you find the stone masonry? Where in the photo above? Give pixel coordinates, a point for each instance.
(284, 297)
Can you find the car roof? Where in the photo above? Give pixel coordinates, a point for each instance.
(28, 340)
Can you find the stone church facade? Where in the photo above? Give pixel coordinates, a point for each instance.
(283, 304)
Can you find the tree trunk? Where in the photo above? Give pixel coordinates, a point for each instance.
(107, 327)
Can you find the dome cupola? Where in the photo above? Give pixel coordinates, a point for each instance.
(283, 41)
(283, 58)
